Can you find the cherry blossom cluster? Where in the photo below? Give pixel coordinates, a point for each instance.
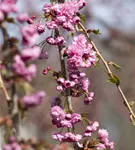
(12, 145)
(6, 7)
(29, 35)
(62, 119)
(20, 62)
(34, 99)
(80, 55)
(103, 139)
(66, 120)
(63, 14)
(20, 67)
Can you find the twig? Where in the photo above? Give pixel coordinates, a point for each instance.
(108, 70)
(2, 86)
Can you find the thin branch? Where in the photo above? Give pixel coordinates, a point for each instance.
(108, 69)
(2, 86)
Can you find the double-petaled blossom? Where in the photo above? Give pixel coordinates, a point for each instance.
(30, 53)
(64, 84)
(34, 99)
(75, 118)
(100, 146)
(21, 70)
(110, 145)
(85, 84)
(29, 35)
(31, 71)
(91, 128)
(62, 119)
(80, 54)
(103, 137)
(57, 114)
(51, 25)
(56, 41)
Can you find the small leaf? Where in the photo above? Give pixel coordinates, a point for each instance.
(72, 34)
(116, 66)
(97, 64)
(82, 17)
(24, 88)
(10, 20)
(94, 31)
(84, 114)
(133, 123)
(114, 79)
(85, 120)
(131, 103)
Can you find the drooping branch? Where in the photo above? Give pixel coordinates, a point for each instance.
(108, 69)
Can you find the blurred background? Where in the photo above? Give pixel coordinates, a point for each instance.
(115, 20)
